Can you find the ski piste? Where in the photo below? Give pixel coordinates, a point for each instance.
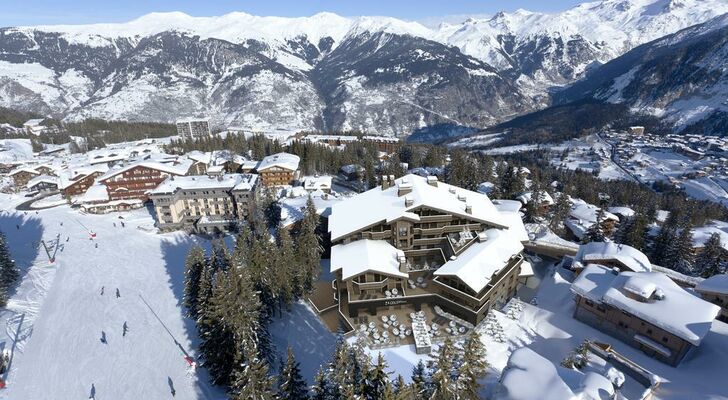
(92, 234)
(191, 364)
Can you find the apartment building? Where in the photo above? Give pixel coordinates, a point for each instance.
(134, 180)
(715, 290)
(76, 181)
(278, 169)
(193, 128)
(204, 203)
(646, 310)
(415, 241)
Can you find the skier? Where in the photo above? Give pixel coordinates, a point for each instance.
(122, 224)
(125, 328)
(92, 395)
(68, 238)
(117, 293)
(96, 245)
(103, 337)
(102, 290)
(114, 224)
(17, 227)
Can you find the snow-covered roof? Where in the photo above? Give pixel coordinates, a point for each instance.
(96, 193)
(202, 182)
(42, 179)
(530, 376)
(669, 306)
(583, 215)
(715, 284)
(73, 174)
(292, 208)
(599, 252)
(377, 205)
(623, 211)
(282, 160)
(317, 182)
(366, 255)
(180, 168)
(33, 122)
(507, 205)
(30, 170)
(477, 265)
(546, 198)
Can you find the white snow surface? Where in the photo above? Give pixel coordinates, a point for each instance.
(12, 150)
(366, 255)
(630, 257)
(58, 353)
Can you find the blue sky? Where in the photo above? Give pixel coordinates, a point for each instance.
(33, 12)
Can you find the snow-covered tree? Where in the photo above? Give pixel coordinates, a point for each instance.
(710, 260)
(559, 213)
(420, 380)
(680, 255)
(595, 232)
(376, 380)
(251, 381)
(292, 385)
(473, 368)
(194, 264)
(308, 248)
(8, 270)
(443, 372)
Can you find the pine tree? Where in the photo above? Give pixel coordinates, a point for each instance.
(710, 260)
(322, 386)
(194, 264)
(292, 385)
(625, 227)
(473, 368)
(666, 235)
(561, 210)
(442, 376)
(376, 380)
(217, 340)
(252, 382)
(286, 268)
(309, 248)
(9, 273)
(419, 380)
(635, 237)
(595, 232)
(680, 255)
(402, 391)
(204, 288)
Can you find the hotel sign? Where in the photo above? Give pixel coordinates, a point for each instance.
(395, 302)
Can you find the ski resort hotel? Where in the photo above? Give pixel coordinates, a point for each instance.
(416, 242)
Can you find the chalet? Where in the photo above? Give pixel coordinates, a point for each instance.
(646, 310)
(384, 144)
(204, 203)
(35, 126)
(77, 181)
(416, 241)
(278, 169)
(316, 183)
(715, 290)
(21, 176)
(133, 181)
(583, 215)
(43, 183)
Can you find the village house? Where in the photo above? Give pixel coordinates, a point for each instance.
(715, 290)
(134, 180)
(22, 175)
(583, 215)
(278, 169)
(202, 203)
(646, 310)
(416, 241)
(43, 183)
(316, 183)
(76, 181)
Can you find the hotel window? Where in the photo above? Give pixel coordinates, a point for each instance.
(402, 231)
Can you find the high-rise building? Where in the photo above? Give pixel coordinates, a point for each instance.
(193, 128)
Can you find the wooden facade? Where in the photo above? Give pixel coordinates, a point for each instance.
(80, 184)
(627, 327)
(277, 176)
(134, 183)
(21, 178)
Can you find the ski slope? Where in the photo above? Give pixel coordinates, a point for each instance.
(59, 354)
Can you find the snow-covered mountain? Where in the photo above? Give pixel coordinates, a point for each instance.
(681, 78)
(376, 74)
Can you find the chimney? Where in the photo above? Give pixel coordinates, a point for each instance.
(385, 182)
(462, 197)
(432, 180)
(404, 187)
(468, 209)
(408, 201)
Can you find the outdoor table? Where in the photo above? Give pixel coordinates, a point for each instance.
(420, 279)
(395, 291)
(393, 317)
(395, 331)
(462, 329)
(385, 318)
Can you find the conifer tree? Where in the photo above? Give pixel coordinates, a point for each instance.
(560, 212)
(292, 385)
(251, 381)
(680, 255)
(204, 288)
(308, 247)
(376, 380)
(442, 375)
(402, 391)
(473, 368)
(664, 238)
(710, 260)
(217, 342)
(595, 232)
(635, 237)
(8, 271)
(286, 268)
(194, 265)
(322, 386)
(419, 379)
